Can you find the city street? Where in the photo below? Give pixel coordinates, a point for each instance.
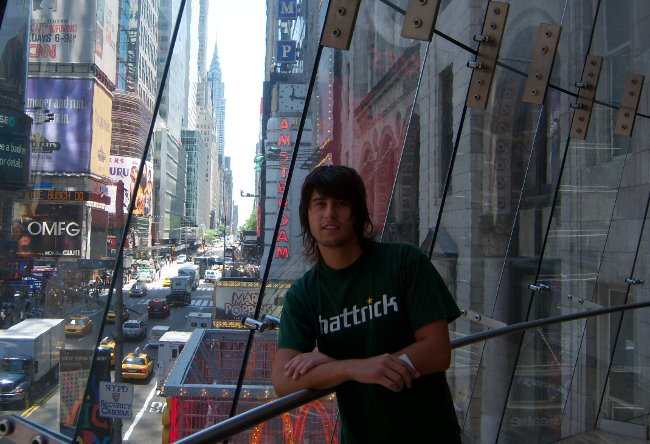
(147, 406)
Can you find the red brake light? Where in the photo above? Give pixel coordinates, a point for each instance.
(143, 370)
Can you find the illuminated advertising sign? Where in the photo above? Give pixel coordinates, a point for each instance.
(125, 169)
(14, 147)
(62, 145)
(47, 229)
(106, 37)
(101, 135)
(63, 31)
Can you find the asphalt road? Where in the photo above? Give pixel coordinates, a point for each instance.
(145, 425)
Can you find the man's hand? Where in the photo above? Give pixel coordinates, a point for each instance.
(302, 363)
(387, 370)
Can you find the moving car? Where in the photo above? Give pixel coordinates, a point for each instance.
(211, 275)
(137, 365)
(134, 329)
(167, 281)
(108, 345)
(181, 259)
(157, 308)
(110, 316)
(78, 326)
(138, 290)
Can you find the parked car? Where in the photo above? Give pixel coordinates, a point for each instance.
(110, 316)
(134, 329)
(78, 326)
(137, 365)
(158, 308)
(138, 290)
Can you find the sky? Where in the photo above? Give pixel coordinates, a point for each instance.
(240, 31)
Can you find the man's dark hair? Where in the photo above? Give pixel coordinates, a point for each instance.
(338, 182)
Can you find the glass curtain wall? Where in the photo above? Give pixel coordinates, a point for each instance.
(524, 217)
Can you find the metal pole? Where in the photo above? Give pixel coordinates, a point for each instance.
(119, 308)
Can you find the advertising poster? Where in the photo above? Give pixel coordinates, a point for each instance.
(62, 31)
(15, 127)
(106, 37)
(125, 169)
(101, 135)
(62, 145)
(47, 230)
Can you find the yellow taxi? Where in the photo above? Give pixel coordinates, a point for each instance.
(167, 281)
(137, 365)
(108, 345)
(110, 316)
(78, 326)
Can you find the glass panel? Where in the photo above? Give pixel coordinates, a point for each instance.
(78, 83)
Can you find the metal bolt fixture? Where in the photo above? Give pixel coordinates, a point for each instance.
(539, 287)
(493, 26)
(480, 82)
(538, 76)
(548, 34)
(423, 2)
(39, 439)
(341, 11)
(581, 85)
(576, 105)
(533, 92)
(6, 427)
(477, 317)
(336, 32)
(543, 49)
(475, 65)
(481, 38)
(417, 23)
(634, 281)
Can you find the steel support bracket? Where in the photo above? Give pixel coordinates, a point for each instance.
(488, 53)
(339, 23)
(481, 319)
(15, 428)
(581, 302)
(541, 67)
(586, 93)
(420, 19)
(629, 104)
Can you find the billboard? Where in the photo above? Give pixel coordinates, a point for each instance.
(125, 169)
(14, 147)
(62, 31)
(62, 145)
(47, 229)
(101, 135)
(106, 37)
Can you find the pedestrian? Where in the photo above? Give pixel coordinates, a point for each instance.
(370, 319)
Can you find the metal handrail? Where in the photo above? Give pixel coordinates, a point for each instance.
(239, 423)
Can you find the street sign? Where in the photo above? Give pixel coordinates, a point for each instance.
(115, 400)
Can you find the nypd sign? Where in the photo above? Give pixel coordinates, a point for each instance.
(115, 400)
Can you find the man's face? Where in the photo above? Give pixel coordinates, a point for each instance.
(330, 221)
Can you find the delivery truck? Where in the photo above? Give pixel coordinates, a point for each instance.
(191, 271)
(29, 360)
(170, 347)
(180, 291)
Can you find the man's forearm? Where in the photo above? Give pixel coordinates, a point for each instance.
(323, 376)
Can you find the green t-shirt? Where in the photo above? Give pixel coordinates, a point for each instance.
(369, 308)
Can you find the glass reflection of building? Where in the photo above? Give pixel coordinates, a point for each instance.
(523, 220)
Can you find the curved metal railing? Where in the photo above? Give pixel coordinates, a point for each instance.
(237, 424)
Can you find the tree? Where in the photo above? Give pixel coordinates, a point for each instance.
(251, 223)
(210, 235)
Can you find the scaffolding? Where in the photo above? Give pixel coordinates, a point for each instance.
(201, 386)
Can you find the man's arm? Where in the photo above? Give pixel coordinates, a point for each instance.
(386, 370)
(431, 351)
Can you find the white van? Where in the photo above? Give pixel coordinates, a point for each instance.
(211, 275)
(198, 320)
(157, 332)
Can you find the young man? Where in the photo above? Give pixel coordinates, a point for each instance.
(378, 315)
